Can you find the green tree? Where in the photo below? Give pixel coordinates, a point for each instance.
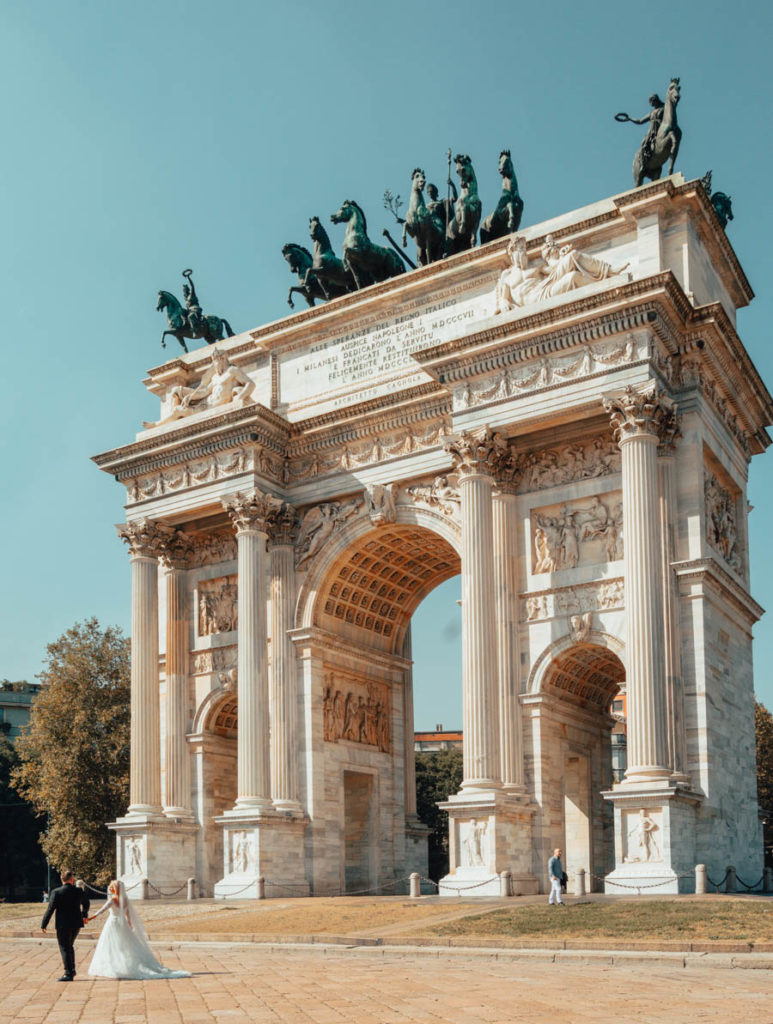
(438, 775)
(74, 759)
(763, 727)
(22, 865)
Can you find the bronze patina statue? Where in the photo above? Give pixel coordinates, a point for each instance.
(506, 219)
(368, 262)
(321, 275)
(661, 142)
(299, 260)
(442, 208)
(463, 227)
(425, 227)
(191, 322)
(721, 201)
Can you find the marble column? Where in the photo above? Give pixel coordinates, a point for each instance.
(175, 558)
(508, 655)
(283, 682)
(249, 513)
(408, 729)
(677, 740)
(475, 455)
(639, 417)
(145, 539)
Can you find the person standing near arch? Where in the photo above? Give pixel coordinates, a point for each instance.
(555, 873)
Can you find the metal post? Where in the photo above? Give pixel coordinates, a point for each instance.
(701, 876)
(415, 885)
(579, 882)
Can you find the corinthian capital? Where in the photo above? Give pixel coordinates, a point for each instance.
(145, 537)
(641, 412)
(251, 510)
(283, 524)
(479, 452)
(177, 551)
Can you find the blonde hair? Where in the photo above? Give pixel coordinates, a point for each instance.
(113, 887)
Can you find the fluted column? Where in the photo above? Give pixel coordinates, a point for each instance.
(677, 740)
(508, 655)
(175, 558)
(476, 455)
(638, 418)
(408, 730)
(283, 683)
(145, 539)
(249, 514)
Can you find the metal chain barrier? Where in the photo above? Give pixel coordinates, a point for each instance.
(103, 892)
(167, 895)
(749, 888)
(651, 885)
(457, 888)
(720, 882)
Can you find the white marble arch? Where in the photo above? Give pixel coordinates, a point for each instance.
(208, 707)
(542, 664)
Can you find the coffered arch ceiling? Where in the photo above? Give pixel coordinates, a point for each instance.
(587, 674)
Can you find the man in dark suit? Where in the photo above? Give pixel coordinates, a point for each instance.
(71, 906)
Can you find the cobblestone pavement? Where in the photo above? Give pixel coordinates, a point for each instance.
(232, 984)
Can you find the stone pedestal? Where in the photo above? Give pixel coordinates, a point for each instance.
(162, 850)
(654, 840)
(267, 845)
(488, 834)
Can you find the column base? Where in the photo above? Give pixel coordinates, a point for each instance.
(655, 837)
(159, 849)
(489, 832)
(268, 845)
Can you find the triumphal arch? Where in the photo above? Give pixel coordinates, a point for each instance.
(566, 418)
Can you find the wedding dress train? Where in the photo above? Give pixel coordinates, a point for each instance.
(123, 950)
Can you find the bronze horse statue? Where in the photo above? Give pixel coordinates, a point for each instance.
(191, 323)
(333, 277)
(506, 218)
(299, 260)
(369, 263)
(463, 227)
(426, 228)
(661, 143)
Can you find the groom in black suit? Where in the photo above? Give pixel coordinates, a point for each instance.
(71, 906)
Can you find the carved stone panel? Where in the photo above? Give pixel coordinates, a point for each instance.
(722, 521)
(473, 843)
(580, 460)
(586, 531)
(242, 853)
(642, 836)
(212, 548)
(218, 606)
(356, 709)
(218, 659)
(590, 597)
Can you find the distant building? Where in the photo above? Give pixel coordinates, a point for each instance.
(15, 706)
(440, 739)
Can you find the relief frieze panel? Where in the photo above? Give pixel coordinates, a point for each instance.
(721, 521)
(569, 601)
(216, 659)
(586, 531)
(357, 710)
(218, 606)
(213, 548)
(550, 467)
(257, 458)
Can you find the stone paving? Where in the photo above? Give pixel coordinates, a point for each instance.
(235, 984)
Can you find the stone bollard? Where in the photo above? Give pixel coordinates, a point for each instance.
(505, 883)
(701, 876)
(415, 885)
(191, 888)
(730, 884)
(767, 880)
(144, 889)
(261, 888)
(579, 882)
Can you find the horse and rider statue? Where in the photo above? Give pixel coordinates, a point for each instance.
(191, 322)
(661, 143)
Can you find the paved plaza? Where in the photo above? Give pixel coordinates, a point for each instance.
(235, 983)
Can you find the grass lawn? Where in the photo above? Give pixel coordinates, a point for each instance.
(688, 919)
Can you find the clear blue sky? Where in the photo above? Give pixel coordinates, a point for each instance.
(142, 138)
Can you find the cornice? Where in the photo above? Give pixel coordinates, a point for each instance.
(709, 570)
(324, 640)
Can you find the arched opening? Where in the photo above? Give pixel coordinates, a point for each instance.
(215, 777)
(579, 683)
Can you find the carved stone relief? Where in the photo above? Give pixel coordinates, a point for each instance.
(242, 853)
(217, 659)
(571, 601)
(440, 494)
(222, 384)
(319, 524)
(381, 503)
(133, 856)
(203, 471)
(213, 548)
(642, 832)
(357, 710)
(580, 460)
(218, 606)
(547, 372)
(721, 521)
(581, 532)
(473, 843)
(580, 627)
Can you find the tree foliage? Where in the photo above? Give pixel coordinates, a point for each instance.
(763, 727)
(438, 775)
(74, 760)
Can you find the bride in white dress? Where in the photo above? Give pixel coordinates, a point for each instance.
(123, 950)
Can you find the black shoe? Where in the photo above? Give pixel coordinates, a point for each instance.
(65, 977)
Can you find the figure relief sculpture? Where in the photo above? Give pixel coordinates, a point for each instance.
(474, 844)
(218, 604)
(463, 226)
(243, 859)
(440, 494)
(357, 714)
(642, 839)
(190, 322)
(133, 856)
(319, 524)
(381, 503)
(580, 627)
(506, 218)
(721, 522)
(423, 225)
(368, 263)
(222, 384)
(563, 269)
(558, 538)
(661, 143)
